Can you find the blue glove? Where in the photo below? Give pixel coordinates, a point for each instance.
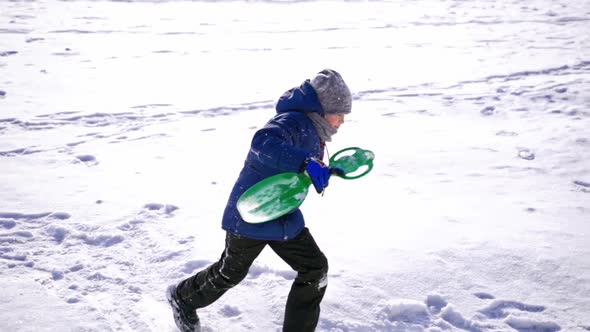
(319, 173)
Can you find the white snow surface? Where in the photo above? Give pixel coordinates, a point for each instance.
(123, 126)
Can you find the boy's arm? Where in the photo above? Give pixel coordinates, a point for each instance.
(275, 145)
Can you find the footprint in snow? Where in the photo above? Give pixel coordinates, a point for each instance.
(86, 159)
(163, 208)
(230, 311)
(582, 185)
(500, 308)
(526, 154)
(484, 296)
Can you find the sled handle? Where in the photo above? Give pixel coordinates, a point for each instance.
(353, 163)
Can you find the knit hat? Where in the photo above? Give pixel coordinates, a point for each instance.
(332, 92)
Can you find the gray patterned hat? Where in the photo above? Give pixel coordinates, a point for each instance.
(332, 92)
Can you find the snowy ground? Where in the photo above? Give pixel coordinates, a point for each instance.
(123, 126)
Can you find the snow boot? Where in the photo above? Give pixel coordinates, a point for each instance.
(186, 320)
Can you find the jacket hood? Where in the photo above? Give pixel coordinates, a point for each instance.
(302, 98)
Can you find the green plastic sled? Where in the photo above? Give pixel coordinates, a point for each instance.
(281, 194)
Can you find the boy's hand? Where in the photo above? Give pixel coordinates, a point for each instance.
(318, 172)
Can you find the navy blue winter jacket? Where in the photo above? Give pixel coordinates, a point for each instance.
(282, 145)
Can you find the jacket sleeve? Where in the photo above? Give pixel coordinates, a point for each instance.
(277, 145)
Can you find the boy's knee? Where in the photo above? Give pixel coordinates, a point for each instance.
(222, 277)
(316, 275)
(323, 281)
(232, 276)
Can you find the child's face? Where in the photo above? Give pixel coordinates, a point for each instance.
(335, 120)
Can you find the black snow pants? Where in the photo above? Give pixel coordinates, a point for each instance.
(301, 253)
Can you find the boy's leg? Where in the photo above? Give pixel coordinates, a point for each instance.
(210, 284)
(303, 304)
